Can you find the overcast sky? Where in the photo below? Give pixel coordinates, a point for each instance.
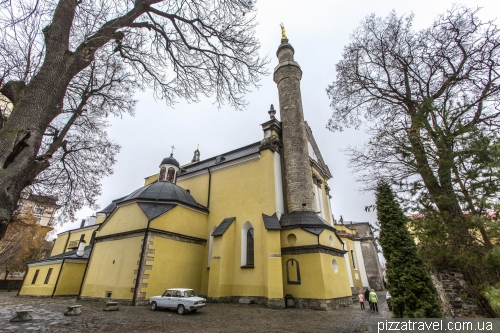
(318, 31)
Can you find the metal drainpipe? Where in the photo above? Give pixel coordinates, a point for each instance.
(92, 242)
(139, 269)
(209, 187)
(58, 276)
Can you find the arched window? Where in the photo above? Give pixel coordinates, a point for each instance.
(170, 174)
(247, 245)
(353, 259)
(162, 174)
(292, 271)
(250, 252)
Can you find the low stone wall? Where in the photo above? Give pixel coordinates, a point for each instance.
(454, 295)
(10, 284)
(272, 303)
(323, 304)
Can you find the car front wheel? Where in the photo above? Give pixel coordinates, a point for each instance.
(180, 309)
(154, 306)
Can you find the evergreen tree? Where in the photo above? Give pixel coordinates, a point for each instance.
(411, 288)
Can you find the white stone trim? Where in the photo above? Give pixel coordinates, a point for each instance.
(49, 262)
(210, 246)
(278, 185)
(247, 226)
(348, 264)
(361, 262)
(80, 229)
(192, 175)
(246, 159)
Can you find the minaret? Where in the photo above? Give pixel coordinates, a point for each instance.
(298, 179)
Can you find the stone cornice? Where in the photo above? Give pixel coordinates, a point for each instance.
(312, 249)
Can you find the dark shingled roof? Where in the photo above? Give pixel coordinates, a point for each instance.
(223, 226)
(67, 255)
(303, 220)
(111, 207)
(170, 160)
(271, 222)
(153, 210)
(315, 231)
(163, 191)
(223, 158)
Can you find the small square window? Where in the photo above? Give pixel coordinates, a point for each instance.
(108, 294)
(39, 209)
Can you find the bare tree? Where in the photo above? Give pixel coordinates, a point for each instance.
(49, 50)
(431, 100)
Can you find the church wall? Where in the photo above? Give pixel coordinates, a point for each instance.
(126, 218)
(150, 179)
(244, 191)
(74, 238)
(70, 279)
(302, 238)
(39, 288)
(318, 280)
(113, 267)
(355, 272)
(100, 218)
(59, 244)
(324, 239)
(272, 268)
(183, 221)
(175, 264)
(198, 187)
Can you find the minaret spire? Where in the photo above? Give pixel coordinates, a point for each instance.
(298, 179)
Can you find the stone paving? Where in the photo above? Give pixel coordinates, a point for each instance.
(48, 317)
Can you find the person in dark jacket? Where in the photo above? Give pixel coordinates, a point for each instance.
(367, 297)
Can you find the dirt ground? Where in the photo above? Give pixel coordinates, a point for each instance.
(48, 317)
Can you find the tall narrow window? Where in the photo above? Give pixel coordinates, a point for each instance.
(47, 278)
(170, 174)
(163, 170)
(353, 259)
(247, 246)
(34, 277)
(292, 271)
(250, 251)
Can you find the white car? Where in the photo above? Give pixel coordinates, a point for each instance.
(180, 299)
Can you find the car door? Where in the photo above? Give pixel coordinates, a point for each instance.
(175, 299)
(165, 298)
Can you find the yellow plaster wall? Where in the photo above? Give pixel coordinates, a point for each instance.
(324, 239)
(59, 244)
(244, 191)
(70, 279)
(75, 236)
(176, 265)
(350, 246)
(198, 188)
(183, 221)
(302, 237)
(100, 218)
(119, 277)
(318, 280)
(39, 287)
(125, 218)
(151, 179)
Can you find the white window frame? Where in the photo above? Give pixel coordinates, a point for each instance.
(247, 226)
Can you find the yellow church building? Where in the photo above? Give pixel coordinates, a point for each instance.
(249, 225)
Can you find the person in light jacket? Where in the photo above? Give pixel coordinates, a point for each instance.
(373, 300)
(361, 299)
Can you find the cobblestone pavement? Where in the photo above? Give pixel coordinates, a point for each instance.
(48, 317)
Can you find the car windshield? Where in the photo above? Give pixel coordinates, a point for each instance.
(189, 293)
